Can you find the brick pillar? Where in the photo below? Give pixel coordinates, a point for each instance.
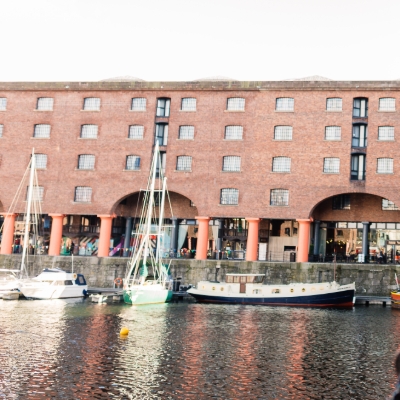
(56, 234)
(8, 234)
(202, 238)
(252, 239)
(105, 235)
(304, 240)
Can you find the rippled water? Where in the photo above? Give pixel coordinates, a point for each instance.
(72, 350)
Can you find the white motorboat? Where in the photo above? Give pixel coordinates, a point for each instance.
(9, 281)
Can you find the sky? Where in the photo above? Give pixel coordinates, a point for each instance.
(183, 40)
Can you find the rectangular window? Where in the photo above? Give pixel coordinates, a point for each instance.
(360, 108)
(86, 161)
(279, 197)
(341, 202)
(136, 132)
(284, 104)
(331, 165)
(333, 133)
(40, 161)
(229, 196)
(186, 132)
(138, 104)
(41, 131)
(89, 131)
(1, 130)
(184, 163)
(163, 107)
(37, 193)
(358, 167)
(231, 164)
(387, 104)
(281, 164)
(388, 205)
(283, 132)
(3, 103)
(386, 133)
(132, 163)
(91, 104)
(45, 103)
(161, 164)
(161, 134)
(83, 194)
(334, 104)
(360, 133)
(234, 132)
(188, 104)
(235, 104)
(385, 166)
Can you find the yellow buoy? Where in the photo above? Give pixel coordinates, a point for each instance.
(124, 331)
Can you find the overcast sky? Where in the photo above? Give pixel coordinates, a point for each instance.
(91, 40)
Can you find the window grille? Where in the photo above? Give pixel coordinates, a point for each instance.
(283, 133)
(385, 166)
(281, 164)
(136, 132)
(37, 193)
(284, 104)
(235, 104)
(386, 133)
(360, 133)
(333, 133)
(387, 104)
(86, 161)
(341, 202)
(40, 161)
(184, 163)
(1, 130)
(331, 165)
(45, 103)
(188, 104)
(186, 132)
(91, 104)
(163, 107)
(229, 196)
(161, 134)
(132, 163)
(234, 132)
(41, 131)
(89, 131)
(334, 104)
(360, 107)
(388, 205)
(138, 104)
(279, 197)
(3, 103)
(231, 163)
(83, 194)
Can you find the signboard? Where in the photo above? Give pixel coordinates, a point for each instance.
(393, 242)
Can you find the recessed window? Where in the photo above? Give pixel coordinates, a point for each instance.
(163, 107)
(360, 107)
(284, 104)
(387, 104)
(388, 205)
(385, 166)
(161, 134)
(41, 131)
(45, 104)
(283, 132)
(89, 131)
(132, 163)
(231, 163)
(357, 167)
(191, 204)
(331, 165)
(1, 130)
(136, 132)
(188, 104)
(279, 197)
(86, 161)
(235, 104)
(40, 161)
(91, 104)
(161, 164)
(334, 104)
(186, 132)
(386, 133)
(360, 133)
(229, 196)
(341, 202)
(37, 193)
(83, 194)
(3, 103)
(184, 163)
(281, 164)
(333, 133)
(138, 104)
(234, 132)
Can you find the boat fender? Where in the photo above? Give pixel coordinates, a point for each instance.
(124, 331)
(74, 276)
(118, 281)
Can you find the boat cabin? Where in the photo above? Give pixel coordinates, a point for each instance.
(243, 279)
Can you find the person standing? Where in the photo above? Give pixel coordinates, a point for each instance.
(71, 248)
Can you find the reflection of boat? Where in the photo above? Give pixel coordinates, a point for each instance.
(249, 289)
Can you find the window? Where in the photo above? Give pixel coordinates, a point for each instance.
(41, 131)
(186, 132)
(184, 163)
(331, 165)
(334, 104)
(161, 163)
(161, 134)
(333, 133)
(231, 163)
(358, 167)
(283, 132)
(388, 205)
(284, 104)
(234, 132)
(45, 103)
(136, 132)
(163, 107)
(138, 104)
(235, 104)
(385, 166)
(387, 104)
(91, 104)
(40, 161)
(188, 104)
(279, 197)
(360, 107)
(281, 164)
(37, 193)
(3, 103)
(229, 196)
(83, 194)
(89, 131)
(86, 161)
(360, 133)
(132, 163)
(1, 130)
(386, 133)
(341, 202)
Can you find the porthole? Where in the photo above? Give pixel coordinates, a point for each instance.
(222, 289)
(303, 290)
(202, 287)
(213, 288)
(291, 290)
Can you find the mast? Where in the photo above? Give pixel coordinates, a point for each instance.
(160, 219)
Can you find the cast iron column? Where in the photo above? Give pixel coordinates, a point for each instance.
(128, 233)
(316, 237)
(365, 244)
(174, 235)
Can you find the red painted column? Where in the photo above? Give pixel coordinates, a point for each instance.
(105, 235)
(252, 239)
(56, 234)
(202, 238)
(8, 234)
(304, 240)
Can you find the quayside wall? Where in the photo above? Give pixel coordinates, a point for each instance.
(370, 279)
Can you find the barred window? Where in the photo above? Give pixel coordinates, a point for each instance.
(188, 104)
(41, 131)
(184, 163)
(186, 132)
(281, 164)
(136, 132)
(37, 193)
(235, 104)
(283, 132)
(386, 133)
(163, 107)
(234, 132)
(132, 163)
(284, 104)
(1, 130)
(279, 197)
(86, 161)
(385, 166)
(229, 196)
(3, 103)
(388, 205)
(331, 165)
(333, 133)
(45, 103)
(91, 104)
(341, 202)
(387, 104)
(40, 161)
(231, 163)
(83, 194)
(138, 104)
(334, 104)
(89, 131)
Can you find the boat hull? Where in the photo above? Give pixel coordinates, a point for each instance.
(395, 297)
(51, 292)
(144, 295)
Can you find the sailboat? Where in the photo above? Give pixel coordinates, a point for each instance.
(137, 288)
